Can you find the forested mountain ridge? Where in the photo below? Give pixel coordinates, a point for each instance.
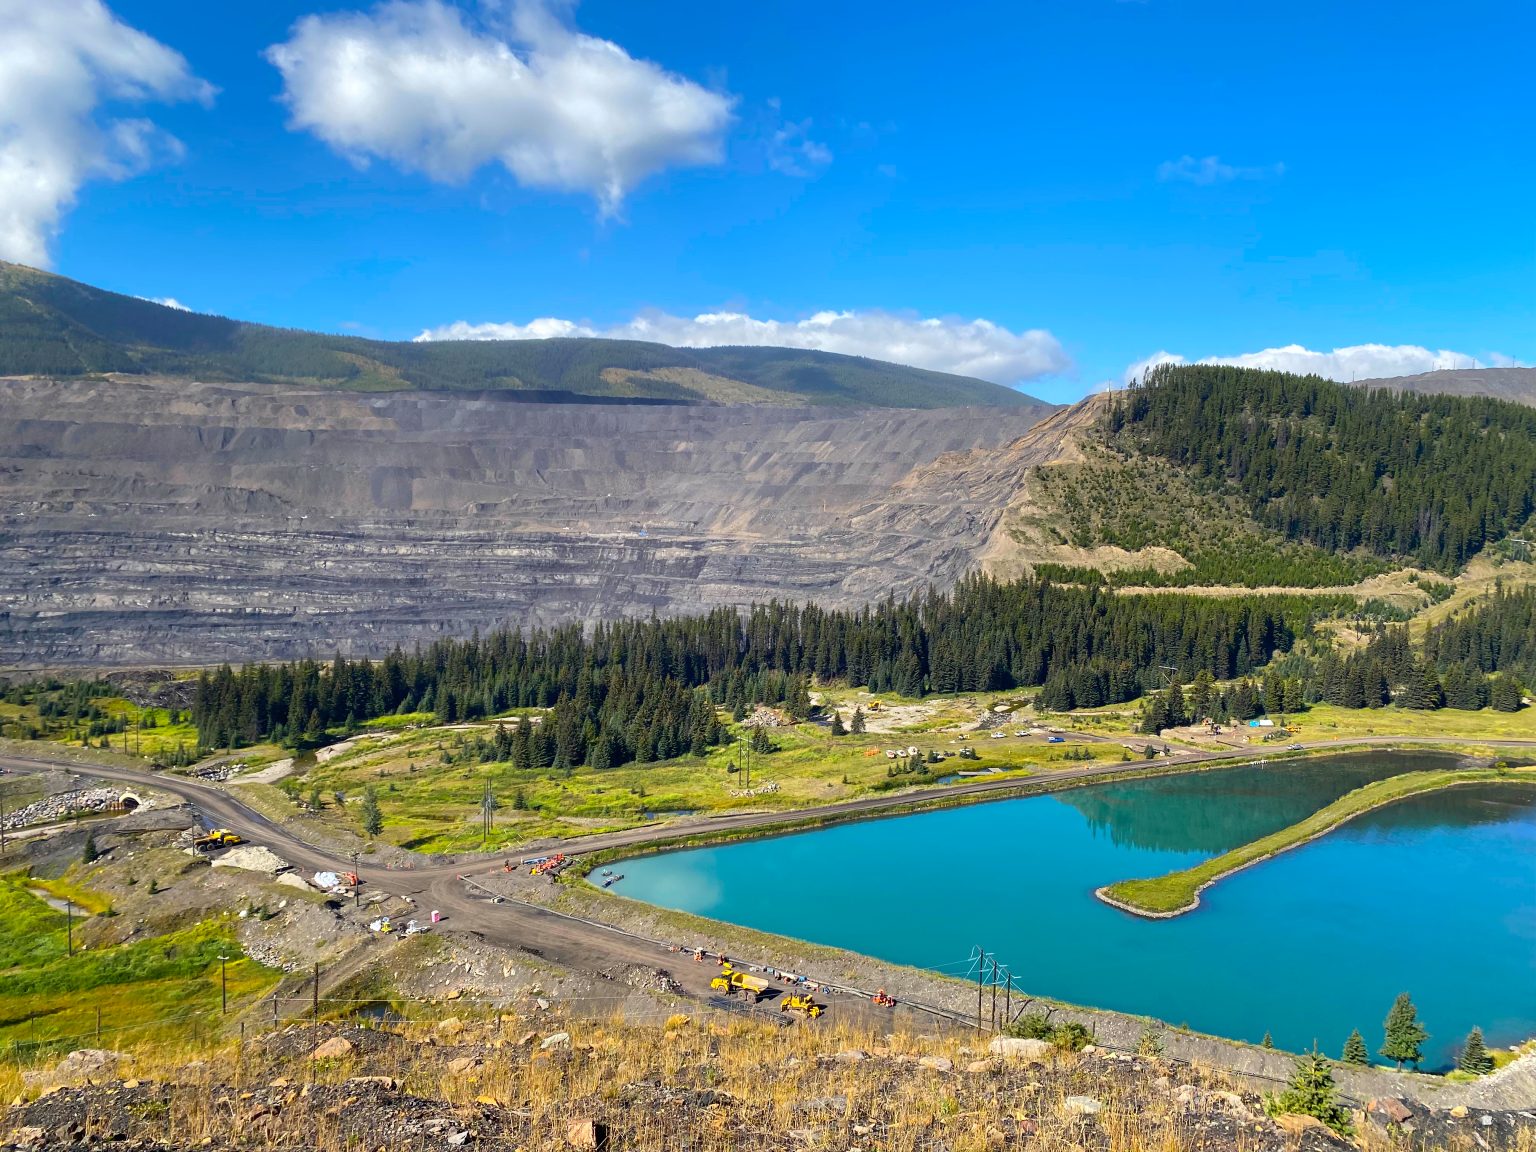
(1402, 474)
(52, 326)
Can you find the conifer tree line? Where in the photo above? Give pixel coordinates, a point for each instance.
(1498, 635)
(1449, 673)
(629, 691)
(1405, 474)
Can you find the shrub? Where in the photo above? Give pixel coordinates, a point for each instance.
(1312, 1093)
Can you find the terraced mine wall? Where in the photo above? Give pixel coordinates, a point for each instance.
(152, 521)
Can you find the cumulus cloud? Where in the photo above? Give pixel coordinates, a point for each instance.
(60, 61)
(1211, 170)
(1356, 362)
(965, 347)
(417, 83)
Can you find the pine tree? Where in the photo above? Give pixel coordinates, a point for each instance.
(89, 854)
(1200, 697)
(1504, 695)
(837, 724)
(1474, 1056)
(1405, 1036)
(1354, 1049)
(1311, 1092)
(1268, 1042)
(857, 724)
(373, 818)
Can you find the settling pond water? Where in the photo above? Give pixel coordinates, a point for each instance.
(1434, 895)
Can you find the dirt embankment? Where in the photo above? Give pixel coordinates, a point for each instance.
(518, 1077)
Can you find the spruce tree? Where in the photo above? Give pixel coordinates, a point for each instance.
(1405, 1036)
(857, 724)
(837, 724)
(373, 818)
(1354, 1049)
(1474, 1056)
(1268, 1042)
(1312, 1093)
(89, 855)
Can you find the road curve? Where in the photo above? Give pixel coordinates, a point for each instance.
(578, 944)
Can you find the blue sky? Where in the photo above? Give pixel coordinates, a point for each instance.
(1099, 182)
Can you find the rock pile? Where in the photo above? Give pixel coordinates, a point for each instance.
(62, 805)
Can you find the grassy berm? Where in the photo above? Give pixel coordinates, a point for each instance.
(539, 1081)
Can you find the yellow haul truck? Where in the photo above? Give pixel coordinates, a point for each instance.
(218, 838)
(731, 980)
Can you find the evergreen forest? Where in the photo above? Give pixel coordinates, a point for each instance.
(629, 691)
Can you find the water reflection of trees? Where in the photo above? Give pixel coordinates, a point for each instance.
(1211, 812)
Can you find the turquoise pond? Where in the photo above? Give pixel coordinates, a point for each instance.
(1434, 895)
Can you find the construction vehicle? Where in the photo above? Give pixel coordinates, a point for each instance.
(218, 838)
(802, 1004)
(730, 980)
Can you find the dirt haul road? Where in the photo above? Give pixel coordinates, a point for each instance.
(582, 945)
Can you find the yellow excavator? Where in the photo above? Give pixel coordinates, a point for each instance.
(802, 1004)
(218, 838)
(730, 981)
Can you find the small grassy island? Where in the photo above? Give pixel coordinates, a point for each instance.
(1164, 897)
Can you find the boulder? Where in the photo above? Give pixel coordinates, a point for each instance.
(462, 1065)
(851, 1056)
(556, 1040)
(334, 1048)
(1459, 1112)
(1082, 1106)
(449, 1028)
(937, 1064)
(587, 1135)
(981, 1067)
(83, 1066)
(1016, 1048)
(1390, 1109)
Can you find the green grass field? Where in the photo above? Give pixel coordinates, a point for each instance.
(159, 987)
(432, 806)
(1179, 891)
(1326, 722)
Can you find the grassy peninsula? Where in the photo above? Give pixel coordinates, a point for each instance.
(1163, 897)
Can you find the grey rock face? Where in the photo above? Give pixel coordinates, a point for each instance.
(156, 521)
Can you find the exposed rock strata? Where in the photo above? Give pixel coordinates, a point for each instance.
(156, 521)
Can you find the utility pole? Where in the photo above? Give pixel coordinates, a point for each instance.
(994, 992)
(357, 882)
(224, 984)
(981, 963)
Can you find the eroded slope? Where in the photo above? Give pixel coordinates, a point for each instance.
(147, 520)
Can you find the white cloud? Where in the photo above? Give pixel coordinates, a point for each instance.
(414, 83)
(60, 61)
(166, 301)
(1356, 362)
(965, 347)
(792, 152)
(1139, 369)
(1211, 170)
